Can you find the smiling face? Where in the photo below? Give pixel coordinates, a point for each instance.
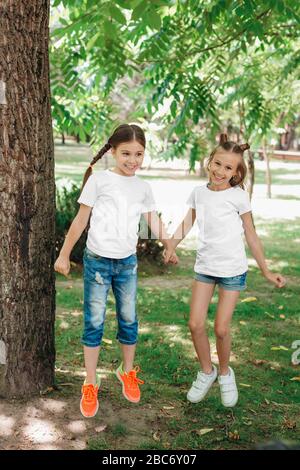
(222, 168)
(128, 157)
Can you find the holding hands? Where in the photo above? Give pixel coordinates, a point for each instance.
(169, 254)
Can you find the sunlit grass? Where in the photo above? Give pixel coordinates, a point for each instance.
(269, 400)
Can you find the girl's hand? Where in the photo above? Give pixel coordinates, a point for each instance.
(276, 278)
(62, 265)
(170, 256)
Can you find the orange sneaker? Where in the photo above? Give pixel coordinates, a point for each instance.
(130, 383)
(89, 401)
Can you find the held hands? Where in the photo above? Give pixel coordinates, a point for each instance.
(170, 257)
(169, 254)
(62, 265)
(275, 278)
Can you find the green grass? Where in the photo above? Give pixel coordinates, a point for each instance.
(119, 430)
(268, 406)
(279, 176)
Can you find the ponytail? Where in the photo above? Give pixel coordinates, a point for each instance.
(223, 139)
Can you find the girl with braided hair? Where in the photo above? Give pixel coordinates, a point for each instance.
(115, 199)
(223, 212)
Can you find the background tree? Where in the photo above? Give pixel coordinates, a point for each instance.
(180, 57)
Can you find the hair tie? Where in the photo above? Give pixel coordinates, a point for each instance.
(223, 139)
(244, 147)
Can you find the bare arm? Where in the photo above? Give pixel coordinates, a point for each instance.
(62, 264)
(184, 228)
(256, 249)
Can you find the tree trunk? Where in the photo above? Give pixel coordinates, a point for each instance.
(251, 172)
(27, 212)
(202, 169)
(268, 170)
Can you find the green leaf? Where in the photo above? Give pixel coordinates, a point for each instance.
(110, 29)
(173, 108)
(153, 19)
(243, 46)
(92, 41)
(195, 116)
(257, 29)
(64, 21)
(58, 32)
(82, 134)
(135, 3)
(117, 14)
(139, 10)
(124, 4)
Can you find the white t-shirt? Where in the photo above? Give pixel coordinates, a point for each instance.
(117, 202)
(221, 250)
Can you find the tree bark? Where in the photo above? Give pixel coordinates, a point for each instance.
(27, 203)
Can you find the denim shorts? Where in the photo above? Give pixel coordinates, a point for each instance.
(99, 275)
(226, 283)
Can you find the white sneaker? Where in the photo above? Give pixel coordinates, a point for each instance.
(229, 391)
(201, 386)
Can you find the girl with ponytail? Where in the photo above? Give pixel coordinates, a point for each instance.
(115, 199)
(223, 212)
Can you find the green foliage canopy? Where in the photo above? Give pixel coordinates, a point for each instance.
(186, 61)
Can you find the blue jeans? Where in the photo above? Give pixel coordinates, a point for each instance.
(226, 283)
(99, 274)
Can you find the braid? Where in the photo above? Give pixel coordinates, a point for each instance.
(100, 154)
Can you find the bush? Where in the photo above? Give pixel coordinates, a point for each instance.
(148, 247)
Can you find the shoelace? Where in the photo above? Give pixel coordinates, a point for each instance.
(89, 392)
(133, 380)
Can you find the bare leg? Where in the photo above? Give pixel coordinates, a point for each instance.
(201, 296)
(91, 359)
(225, 309)
(128, 351)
